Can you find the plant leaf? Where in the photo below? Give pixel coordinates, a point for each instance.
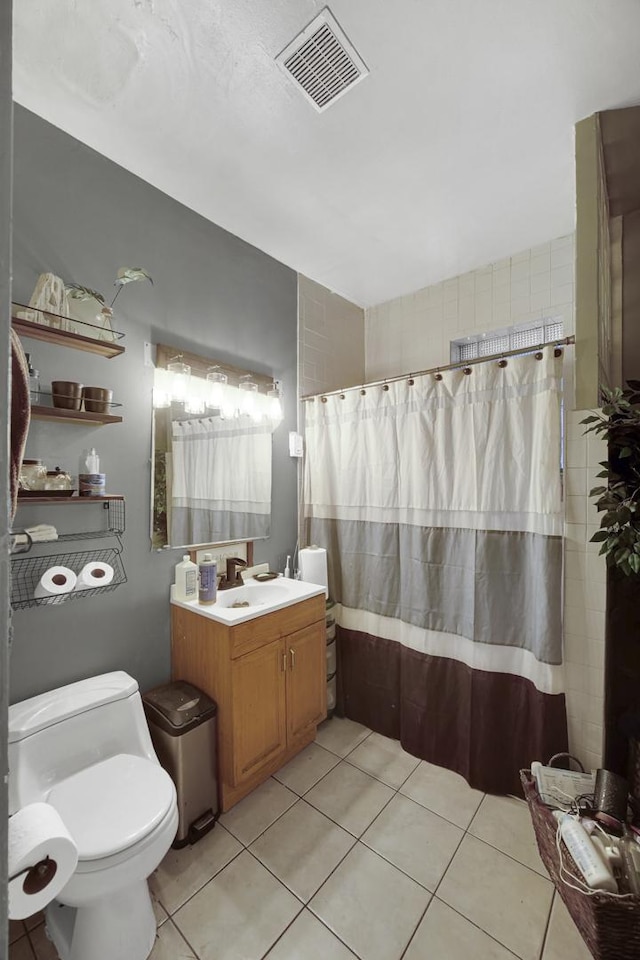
(130, 275)
(77, 292)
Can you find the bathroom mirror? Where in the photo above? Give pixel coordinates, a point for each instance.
(212, 442)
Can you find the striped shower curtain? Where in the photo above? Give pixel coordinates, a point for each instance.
(439, 502)
(220, 480)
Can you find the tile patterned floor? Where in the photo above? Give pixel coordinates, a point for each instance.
(356, 851)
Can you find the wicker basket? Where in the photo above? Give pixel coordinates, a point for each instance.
(610, 927)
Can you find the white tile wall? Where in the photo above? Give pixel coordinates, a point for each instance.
(330, 339)
(414, 333)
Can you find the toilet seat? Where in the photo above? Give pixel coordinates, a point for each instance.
(112, 805)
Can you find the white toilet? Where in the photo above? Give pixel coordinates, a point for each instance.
(85, 749)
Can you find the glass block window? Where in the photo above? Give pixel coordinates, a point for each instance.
(500, 341)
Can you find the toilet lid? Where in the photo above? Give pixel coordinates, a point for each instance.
(113, 804)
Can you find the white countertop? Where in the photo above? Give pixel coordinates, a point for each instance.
(264, 598)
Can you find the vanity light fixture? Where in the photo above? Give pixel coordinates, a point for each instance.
(250, 405)
(180, 379)
(274, 405)
(217, 387)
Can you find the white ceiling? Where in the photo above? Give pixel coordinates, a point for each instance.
(456, 150)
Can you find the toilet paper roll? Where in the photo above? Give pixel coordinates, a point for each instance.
(94, 574)
(42, 858)
(56, 581)
(313, 566)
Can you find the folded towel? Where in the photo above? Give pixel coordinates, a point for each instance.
(42, 532)
(20, 414)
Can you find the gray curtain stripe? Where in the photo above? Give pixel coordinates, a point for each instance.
(492, 587)
(189, 525)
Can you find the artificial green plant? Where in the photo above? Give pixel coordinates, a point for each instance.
(618, 423)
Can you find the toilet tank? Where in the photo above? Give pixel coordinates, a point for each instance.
(55, 734)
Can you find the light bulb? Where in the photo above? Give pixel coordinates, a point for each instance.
(181, 376)
(249, 405)
(216, 384)
(274, 405)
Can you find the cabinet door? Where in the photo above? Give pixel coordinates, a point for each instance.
(259, 728)
(306, 679)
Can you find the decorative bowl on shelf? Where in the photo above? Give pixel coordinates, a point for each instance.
(66, 394)
(97, 399)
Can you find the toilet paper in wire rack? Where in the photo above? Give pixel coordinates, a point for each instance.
(55, 582)
(95, 574)
(313, 566)
(35, 833)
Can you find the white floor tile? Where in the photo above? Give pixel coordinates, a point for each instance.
(384, 759)
(563, 940)
(349, 797)
(238, 915)
(302, 848)
(183, 872)
(444, 792)
(251, 817)
(370, 905)
(505, 823)
(507, 900)
(309, 766)
(417, 841)
(340, 735)
(170, 945)
(308, 939)
(444, 935)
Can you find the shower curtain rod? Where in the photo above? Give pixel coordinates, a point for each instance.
(463, 365)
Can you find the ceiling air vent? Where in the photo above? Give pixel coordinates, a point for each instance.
(322, 62)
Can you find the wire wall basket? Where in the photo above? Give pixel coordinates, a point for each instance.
(26, 573)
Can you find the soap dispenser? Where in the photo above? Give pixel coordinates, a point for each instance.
(186, 581)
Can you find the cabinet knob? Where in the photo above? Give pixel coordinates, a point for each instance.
(284, 661)
(292, 654)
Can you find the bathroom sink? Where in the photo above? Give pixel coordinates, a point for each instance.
(259, 594)
(252, 600)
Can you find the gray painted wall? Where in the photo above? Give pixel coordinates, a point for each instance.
(82, 217)
(5, 304)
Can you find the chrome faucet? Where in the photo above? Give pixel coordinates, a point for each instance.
(233, 577)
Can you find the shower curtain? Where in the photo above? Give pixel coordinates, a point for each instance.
(220, 480)
(439, 503)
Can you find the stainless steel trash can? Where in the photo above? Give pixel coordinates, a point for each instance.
(183, 725)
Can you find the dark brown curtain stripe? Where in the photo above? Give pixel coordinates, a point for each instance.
(484, 726)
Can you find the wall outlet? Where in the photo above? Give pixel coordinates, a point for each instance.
(296, 444)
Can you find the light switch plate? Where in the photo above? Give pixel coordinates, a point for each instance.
(295, 444)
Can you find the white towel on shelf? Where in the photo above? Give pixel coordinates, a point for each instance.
(42, 532)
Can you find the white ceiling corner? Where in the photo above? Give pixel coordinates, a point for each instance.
(457, 150)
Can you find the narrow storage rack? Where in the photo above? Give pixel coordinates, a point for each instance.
(27, 569)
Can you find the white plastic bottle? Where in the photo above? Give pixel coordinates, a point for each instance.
(186, 583)
(587, 859)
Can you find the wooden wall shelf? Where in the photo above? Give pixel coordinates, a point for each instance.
(72, 416)
(63, 338)
(68, 501)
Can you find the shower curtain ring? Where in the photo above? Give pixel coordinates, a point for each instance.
(502, 363)
(539, 355)
(466, 371)
(437, 375)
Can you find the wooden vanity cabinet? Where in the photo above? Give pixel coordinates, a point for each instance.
(268, 677)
